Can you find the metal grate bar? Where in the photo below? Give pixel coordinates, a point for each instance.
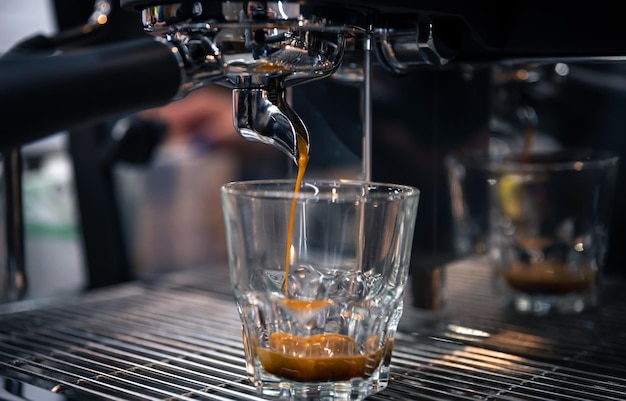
(84, 375)
(174, 340)
(160, 355)
(152, 366)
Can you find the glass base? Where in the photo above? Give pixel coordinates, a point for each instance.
(542, 304)
(353, 390)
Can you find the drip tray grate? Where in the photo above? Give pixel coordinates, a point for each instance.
(180, 339)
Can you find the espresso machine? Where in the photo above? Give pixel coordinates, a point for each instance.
(386, 88)
(393, 86)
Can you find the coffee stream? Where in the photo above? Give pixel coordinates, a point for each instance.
(303, 161)
(319, 357)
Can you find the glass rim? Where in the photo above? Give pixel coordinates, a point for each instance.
(284, 189)
(575, 159)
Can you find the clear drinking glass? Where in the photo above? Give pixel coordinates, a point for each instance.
(320, 300)
(469, 202)
(550, 217)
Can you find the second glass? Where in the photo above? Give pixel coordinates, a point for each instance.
(550, 221)
(320, 294)
(543, 219)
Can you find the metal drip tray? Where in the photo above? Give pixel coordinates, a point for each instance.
(180, 339)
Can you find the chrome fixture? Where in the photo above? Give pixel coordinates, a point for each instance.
(288, 50)
(213, 43)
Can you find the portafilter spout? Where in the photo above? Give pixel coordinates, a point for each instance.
(264, 115)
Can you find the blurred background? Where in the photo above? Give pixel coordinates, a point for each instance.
(51, 219)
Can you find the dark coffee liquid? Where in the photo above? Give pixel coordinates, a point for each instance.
(322, 357)
(549, 277)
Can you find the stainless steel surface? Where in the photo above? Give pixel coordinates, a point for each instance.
(179, 339)
(258, 54)
(292, 53)
(403, 49)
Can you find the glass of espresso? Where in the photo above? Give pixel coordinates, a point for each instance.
(318, 271)
(549, 221)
